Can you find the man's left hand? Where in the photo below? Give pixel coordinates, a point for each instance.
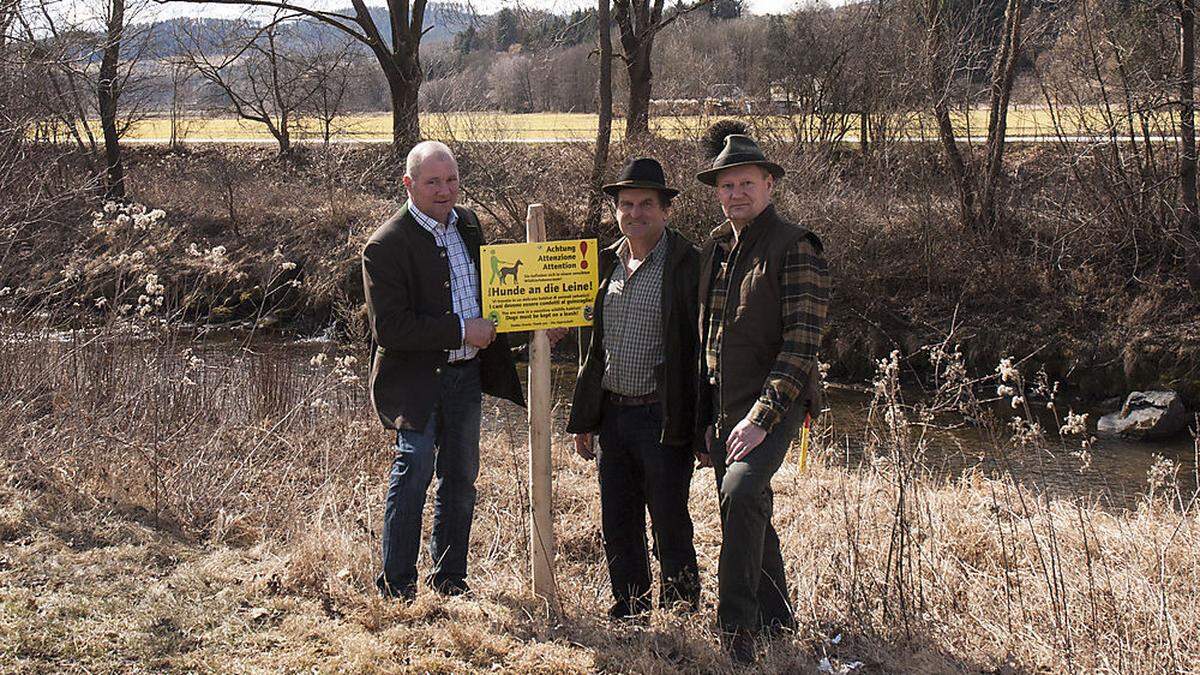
(744, 438)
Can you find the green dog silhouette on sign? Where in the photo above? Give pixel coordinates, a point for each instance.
(499, 269)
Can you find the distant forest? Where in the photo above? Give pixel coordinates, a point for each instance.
(525, 60)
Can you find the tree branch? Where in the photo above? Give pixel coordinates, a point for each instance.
(331, 18)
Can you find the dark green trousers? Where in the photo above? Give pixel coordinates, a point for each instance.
(752, 588)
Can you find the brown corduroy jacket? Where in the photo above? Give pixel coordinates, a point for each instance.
(406, 278)
(759, 359)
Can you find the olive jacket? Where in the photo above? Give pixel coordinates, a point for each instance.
(769, 318)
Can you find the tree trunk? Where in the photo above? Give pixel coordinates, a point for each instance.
(604, 130)
(108, 92)
(285, 135)
(935, 53)
(1187, 140)
(864, 141)
(958, 167)
(406, 120)
(1002, 83)
(637, 116)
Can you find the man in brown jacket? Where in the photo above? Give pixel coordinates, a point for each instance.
(432, 355)
(764, 292)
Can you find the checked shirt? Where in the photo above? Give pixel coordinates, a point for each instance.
(804, 289)
(633, 341)
(464, 278)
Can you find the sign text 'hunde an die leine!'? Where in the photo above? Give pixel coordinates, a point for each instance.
(540, 285)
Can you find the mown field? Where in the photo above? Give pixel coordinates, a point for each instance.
(1031, 123)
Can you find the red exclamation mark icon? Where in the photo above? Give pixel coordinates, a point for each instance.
(583, 255)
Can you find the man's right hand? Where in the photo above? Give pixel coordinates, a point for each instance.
(478, 332)
(583, 446)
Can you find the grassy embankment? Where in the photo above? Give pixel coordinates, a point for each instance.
(1083, 274)
(169, 506)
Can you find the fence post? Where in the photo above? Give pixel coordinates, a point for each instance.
(541, 534)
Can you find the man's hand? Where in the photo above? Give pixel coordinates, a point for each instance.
(583, 446)
(478, 332)
(703, 459)
(744, 438)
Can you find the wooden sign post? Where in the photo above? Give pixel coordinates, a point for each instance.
(541, 532)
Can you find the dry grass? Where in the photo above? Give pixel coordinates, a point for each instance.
(218, 509)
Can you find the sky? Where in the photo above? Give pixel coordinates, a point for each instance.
(481, 6)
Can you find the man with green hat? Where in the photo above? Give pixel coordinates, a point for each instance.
(764, 292)
(637, 390)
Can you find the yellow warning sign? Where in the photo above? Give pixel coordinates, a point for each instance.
(542, 285)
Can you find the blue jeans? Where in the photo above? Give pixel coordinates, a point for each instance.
(449, 448)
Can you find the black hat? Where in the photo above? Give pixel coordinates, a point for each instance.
(736, 149)
(641, 172)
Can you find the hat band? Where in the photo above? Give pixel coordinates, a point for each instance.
(738, 158)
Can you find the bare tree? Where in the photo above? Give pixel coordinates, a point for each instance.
(1003, 73)
(640, 21)
(604, 129)
(399, 58)
(1187, 139)
(260, 78)
(945, 50)
(181, 73)
(108, 91)
(35, 190)
(509, 84)
(75, 92)
(811, 64)
(882, 82)
(330, 69)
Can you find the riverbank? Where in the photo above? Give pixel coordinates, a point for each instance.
(1088, 285)
(981, 577)
(169, 507)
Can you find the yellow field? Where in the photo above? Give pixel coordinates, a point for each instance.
(1036, 123)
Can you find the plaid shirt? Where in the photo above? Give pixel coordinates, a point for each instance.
(464, 278)
(633, 341)
(805, 291)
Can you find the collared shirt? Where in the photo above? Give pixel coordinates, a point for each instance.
(804, 297)
(724, 258)
(633, 341)
(464, 278)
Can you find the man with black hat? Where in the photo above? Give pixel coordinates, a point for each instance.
(637, 390)
(764, 293)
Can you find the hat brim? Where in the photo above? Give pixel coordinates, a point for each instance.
(612, 189)
(709, 177)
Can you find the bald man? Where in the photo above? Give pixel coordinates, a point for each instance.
(432, 358)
